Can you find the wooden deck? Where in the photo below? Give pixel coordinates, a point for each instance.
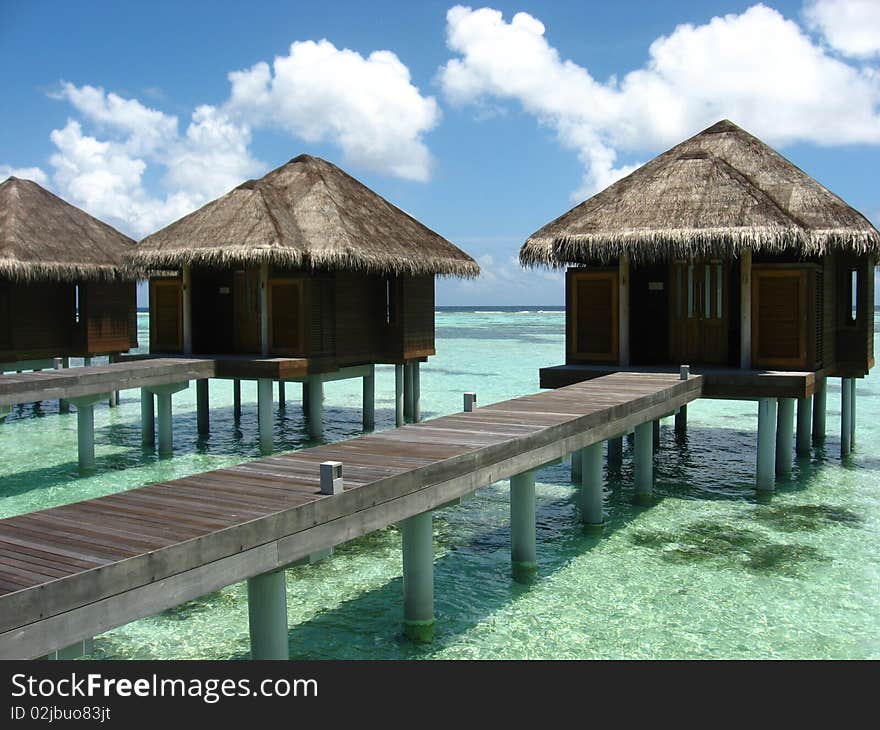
(721, 383)
(96, 379)
(72, 572)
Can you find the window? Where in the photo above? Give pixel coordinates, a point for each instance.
(853, 298)
(76, 303)
(390, 300)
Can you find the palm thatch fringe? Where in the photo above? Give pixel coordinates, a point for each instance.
(27, 272)
(144, 262)
(649, 246)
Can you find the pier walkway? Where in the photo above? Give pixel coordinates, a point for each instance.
(71, 572)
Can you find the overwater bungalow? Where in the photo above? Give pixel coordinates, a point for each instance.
(306, 268)
(718, 252)
(722, 255)
(64, 291)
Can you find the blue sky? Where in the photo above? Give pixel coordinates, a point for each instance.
(484, 122)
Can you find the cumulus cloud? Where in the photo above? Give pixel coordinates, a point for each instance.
(107, 176)
(26, 173)
(851, 27)
(367, 106)
(757, 68)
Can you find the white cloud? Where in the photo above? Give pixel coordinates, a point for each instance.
(756, 68)
(851, 27)
(26, 173)
(367, 106)
(107, 176)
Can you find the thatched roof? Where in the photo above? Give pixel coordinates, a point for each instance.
(713, 194)
(307, 213)
(43, 238)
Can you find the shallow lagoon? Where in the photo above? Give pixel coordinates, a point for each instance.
(706, 571)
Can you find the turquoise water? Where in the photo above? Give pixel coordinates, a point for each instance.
(706, 571)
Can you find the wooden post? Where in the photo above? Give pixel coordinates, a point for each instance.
(236, 399)
(819, 403)
(316, 407)
(523, 552)
(202, 407)
(766, 469)
(62, 362)
(264, 308)
(148, 418)
(264, 414)
(408, 391)
(852, 421)
(845, 416)
(281, 395)
(369, 400)
(399, 411)
(623, 311)
(745, 298)
(418, 577)
(804, 422)
(267, 615)
(591, 485)
(784, 430)
(186, 296)
(417, 393)
(644, 467)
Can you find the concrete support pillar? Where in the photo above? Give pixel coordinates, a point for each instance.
(163, 411)
(804, 424)
(399, 413)
(591, 485)
(408, 391)
(202, 407)
(819, 413)
(113, 400)
(148, 418)
(846, 414)
(576, 466)
(282, 395)
(236, 399)
(655, 433)
(315, 407)
(267, 615)
(264, 309)
(369, 400)
(418, 577)
(615, 450)
(264, 414)
(623, 310)
(85, 435)
(166, 440)
(745, 298)
(784, 432)
(766, 469)
(417, 393)
(644, 462)
(85, 428)
(186, 301)
(522, 527)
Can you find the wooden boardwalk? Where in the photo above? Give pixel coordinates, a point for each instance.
(72, 572)
(96, 379)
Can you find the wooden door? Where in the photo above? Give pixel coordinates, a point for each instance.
(246, 311)
(699, 316)
(166, 316)
(593, 316)
(779, 318)
(286, 321)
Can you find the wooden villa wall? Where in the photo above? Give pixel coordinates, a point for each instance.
(418, 316)
(854, 338)
(104, 318)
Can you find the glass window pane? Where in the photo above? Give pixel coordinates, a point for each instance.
(854, 289)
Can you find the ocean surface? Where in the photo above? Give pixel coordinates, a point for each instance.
(705, 572)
